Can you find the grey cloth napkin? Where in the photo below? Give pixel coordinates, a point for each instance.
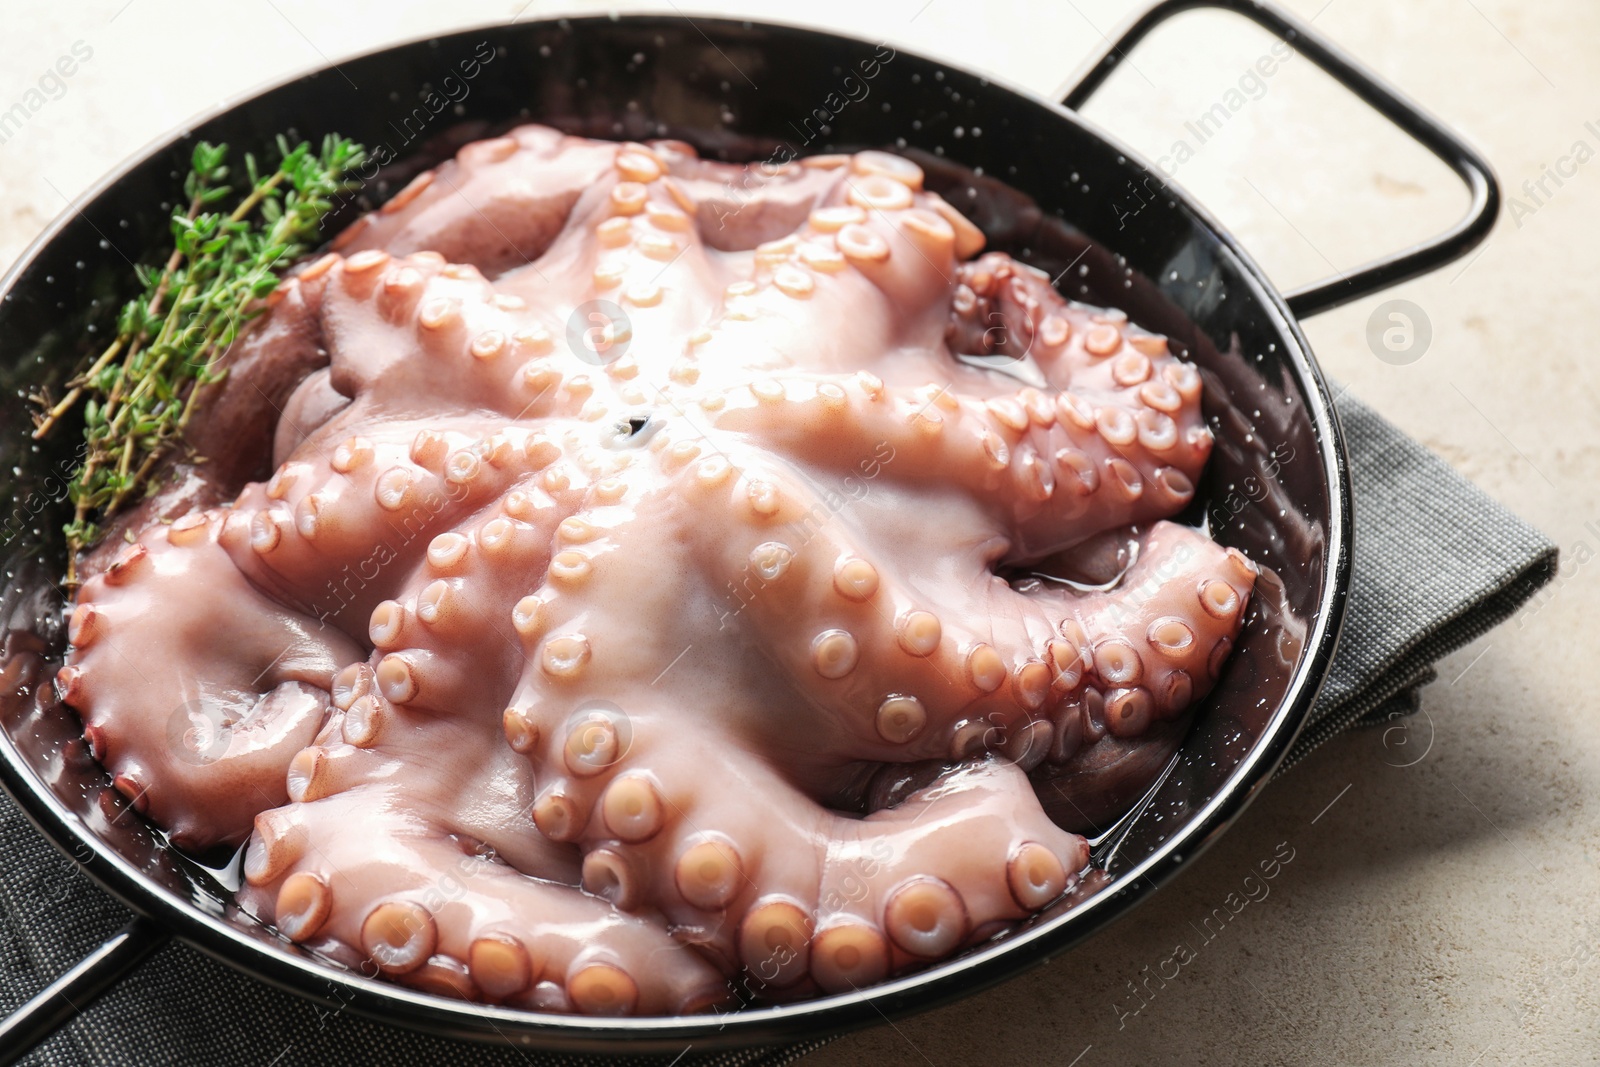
(1436, 563)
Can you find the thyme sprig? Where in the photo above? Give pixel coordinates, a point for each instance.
(143, 389)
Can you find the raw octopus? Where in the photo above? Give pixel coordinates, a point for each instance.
(635, 620)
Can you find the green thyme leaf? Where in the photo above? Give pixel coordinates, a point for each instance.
(141, 391)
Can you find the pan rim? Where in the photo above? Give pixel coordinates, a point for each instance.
(952, 979)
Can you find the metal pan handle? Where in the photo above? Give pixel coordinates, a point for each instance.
(1422, 127)
(78, 988)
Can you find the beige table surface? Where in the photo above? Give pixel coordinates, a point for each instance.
(1446, 912)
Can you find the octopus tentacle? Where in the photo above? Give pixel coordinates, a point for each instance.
(441, 879)
(432, 315)
(203, 744)
(737, 212)
(667, 824)
(378, 498)
(453, 602)
(498, 205)
(1056, 479)
(417, 905)
(1146, 651)
(876, 251)
(956, 667)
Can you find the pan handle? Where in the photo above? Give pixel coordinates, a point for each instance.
(78, 988)
(1423, 128)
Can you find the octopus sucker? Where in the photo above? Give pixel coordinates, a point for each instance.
(593, 744)
(558, 816)
(926, 917)
(605, 665)
(848, 955)
(901, 718)
(276, 844)
(709, 874)
(304, 902)
(919, 632)
(501, 966)
(610, 875)
(364, 721)
(603, 989)
(1029, 744)
(1035, 875)
(310, 775)
(775, 940)
(633, 808)
(443, 976)
(399, 936)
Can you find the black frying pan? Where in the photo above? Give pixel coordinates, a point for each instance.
(1276, 486)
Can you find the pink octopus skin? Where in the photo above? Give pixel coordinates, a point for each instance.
(519, 701)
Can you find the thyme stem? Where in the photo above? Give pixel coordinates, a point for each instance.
(139, 395)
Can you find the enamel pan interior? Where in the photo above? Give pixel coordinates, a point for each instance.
(1276, 486)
